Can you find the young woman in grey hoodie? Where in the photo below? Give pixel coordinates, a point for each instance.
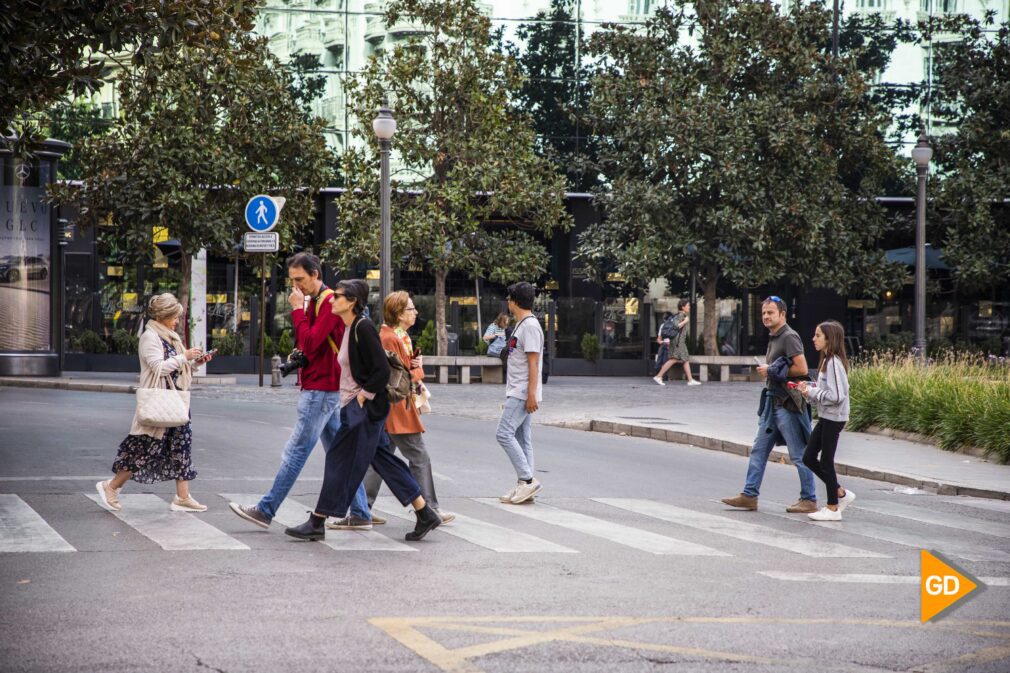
(830, 395)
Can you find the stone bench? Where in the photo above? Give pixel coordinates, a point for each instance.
(490, 367)
(724, 362)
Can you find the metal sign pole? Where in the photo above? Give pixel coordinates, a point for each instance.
(263, 312)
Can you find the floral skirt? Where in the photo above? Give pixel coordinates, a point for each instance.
(152, 460)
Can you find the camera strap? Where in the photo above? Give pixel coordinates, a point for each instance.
(320, 300)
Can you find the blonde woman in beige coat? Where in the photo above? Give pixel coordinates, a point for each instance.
(149, 454)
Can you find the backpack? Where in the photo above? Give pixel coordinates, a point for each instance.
(400, 386)
(668, 329)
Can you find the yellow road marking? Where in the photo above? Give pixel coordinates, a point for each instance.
(578, 630)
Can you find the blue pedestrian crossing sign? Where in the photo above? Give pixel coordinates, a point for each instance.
(262, 212)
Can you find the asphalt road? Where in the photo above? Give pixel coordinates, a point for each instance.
(561, 592)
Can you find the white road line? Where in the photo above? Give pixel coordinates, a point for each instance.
(917, 513)
(150, 516)
(738, 528)
(293, 513)
(856, 578)
(992, 505)
(482, 533)
(628, 536)
(23, 530)
(853, 524)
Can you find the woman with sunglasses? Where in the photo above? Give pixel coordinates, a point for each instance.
(364, 406)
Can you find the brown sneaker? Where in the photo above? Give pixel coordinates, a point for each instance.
(742, 502)
(802, 507)
(377, 520)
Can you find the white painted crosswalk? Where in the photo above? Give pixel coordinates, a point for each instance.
(23, 530)
(636, 538)
(150, 516)
(293, 513)
(864, 578)
(739, 529)
(481, 533)
(486, 524)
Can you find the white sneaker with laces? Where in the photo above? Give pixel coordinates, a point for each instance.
(658, 380)
(186, 505)
(109, 496)
(825, 514)
(526, 491)
(694, 382)
(508, 496)
(846, 500)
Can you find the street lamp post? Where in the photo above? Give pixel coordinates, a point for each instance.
(921, 155)
(384, 127)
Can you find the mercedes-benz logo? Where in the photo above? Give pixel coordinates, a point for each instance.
(23, 171)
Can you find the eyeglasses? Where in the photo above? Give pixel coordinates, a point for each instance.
(340, 294)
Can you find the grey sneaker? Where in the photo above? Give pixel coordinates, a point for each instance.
(109, 496)
(350, 523)
(250, 514)
(446, 517)
(526, 491)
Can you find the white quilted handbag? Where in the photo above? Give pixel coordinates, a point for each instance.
(163, 407)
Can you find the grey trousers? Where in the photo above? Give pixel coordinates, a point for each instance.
(412, 448)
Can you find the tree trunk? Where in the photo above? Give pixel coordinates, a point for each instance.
(441, 338)
(186, 276)
(711, 310)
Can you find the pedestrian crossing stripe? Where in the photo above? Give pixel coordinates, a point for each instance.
(936, 518)
(294, 513)
(907, 538)
(483, 534)
(23, 530)
(636, 538)
(150, 516)
(739, 529)
(864, 578)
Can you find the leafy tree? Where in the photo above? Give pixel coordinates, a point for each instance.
(555, 90)
(467, 153)
(49, 48)
(747, 152)
(971, 91)
(202, 129)
(306, 83)
(74, 122)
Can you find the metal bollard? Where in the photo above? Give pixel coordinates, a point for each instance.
(275, 371)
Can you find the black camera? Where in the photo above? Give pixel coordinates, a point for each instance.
(296, 361)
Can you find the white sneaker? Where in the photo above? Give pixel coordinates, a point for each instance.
(694, 382)
(658, 380)
(187, 505)
(109, 496)
(508, 496)
(846, 500)
(526, 491)
(825, 514)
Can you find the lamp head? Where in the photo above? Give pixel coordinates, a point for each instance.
(384, 125)
(922, 152)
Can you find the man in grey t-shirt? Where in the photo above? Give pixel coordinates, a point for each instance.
(778, 423)
(523, 393)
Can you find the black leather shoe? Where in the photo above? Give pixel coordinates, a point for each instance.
(313, 529)
(427, 520)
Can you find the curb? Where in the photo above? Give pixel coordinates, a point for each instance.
(713, 444)
(66, 384)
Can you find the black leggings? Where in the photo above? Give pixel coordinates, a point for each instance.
(824, 440)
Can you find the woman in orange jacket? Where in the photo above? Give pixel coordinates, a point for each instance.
(403, 425)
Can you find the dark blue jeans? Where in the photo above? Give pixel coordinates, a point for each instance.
(355, 448)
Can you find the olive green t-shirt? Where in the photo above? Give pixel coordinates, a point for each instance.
(786, 342)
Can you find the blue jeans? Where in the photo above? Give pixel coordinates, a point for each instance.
(516, 437)
(779, 425)
(318, 416)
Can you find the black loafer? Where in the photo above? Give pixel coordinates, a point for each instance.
(308, 530)
(427, 520)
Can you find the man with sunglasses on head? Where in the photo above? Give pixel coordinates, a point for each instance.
(317, 333)
(784, 417)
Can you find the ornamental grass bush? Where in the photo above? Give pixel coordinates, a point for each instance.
(959, 399)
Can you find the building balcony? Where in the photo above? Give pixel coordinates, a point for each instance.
(332, 109)
(308, 39)
(334, 37)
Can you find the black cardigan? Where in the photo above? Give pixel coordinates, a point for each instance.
(369, 366)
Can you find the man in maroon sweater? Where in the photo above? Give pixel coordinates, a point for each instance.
(317, 333)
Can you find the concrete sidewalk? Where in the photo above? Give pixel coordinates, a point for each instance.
(715, 416)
